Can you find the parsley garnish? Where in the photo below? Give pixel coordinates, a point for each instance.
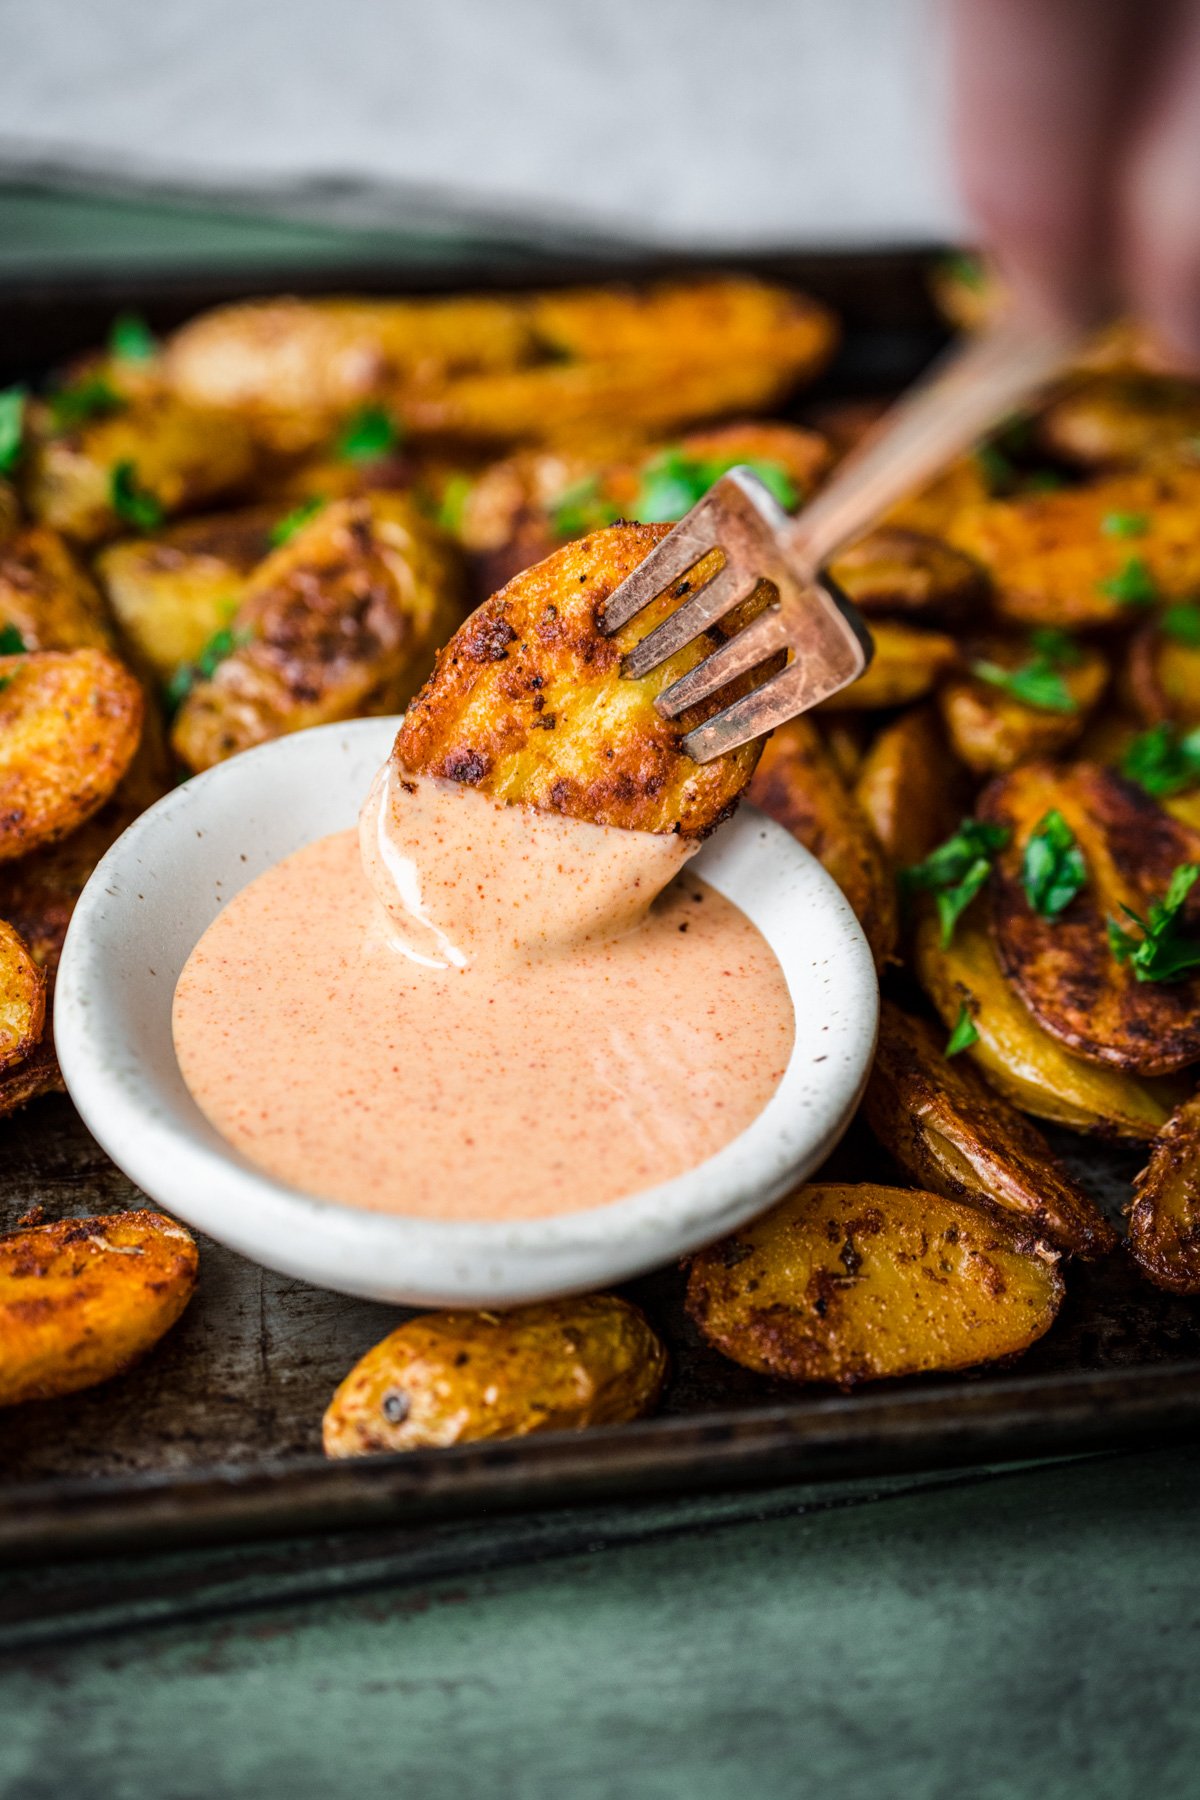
(91, 398)
(1044, 481)
(12, 423)
(1125, 524)
(1162, 762)
(996, 467)
(673, 482)
(131, 339)
(221, 644)
(453, 504)
(11, 641)
(136, 505)
(961, 266)
(372, 433)
(286, 528)
(1052, 870)
(965, 1033)
(1162, 953)
(580, 508)
(1038, 682)
(1132, 585)
(1182, 622)
(957, 869)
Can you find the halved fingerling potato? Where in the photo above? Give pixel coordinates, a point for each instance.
(82, 1299)
(911, 787)
(797, 783)
(457, 1377)
(907, 664)
(857, 1283)
(894, 570)
(992, 731)
(951, 1133)
(22, 998)
(1120, 420)
(1023, 1062)
(1164, 1218)
(70, 722)
(1062, 966)
(1162, 678)
(47, 597)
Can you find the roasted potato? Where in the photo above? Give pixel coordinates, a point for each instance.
(22, 998)
(1164, 1219)
(339, 622)
(47, 597)
(907, 663)
(950, 1133)
(35, 1075)
(455, 1377)
(1062, 966)
(852, 1284)
(69, 726)
(1162, 678)
(992, 730)
(797, 783)
(894, 570)
(528, 704)
(910, 787)
(82, 1299)
(1020, 1060)
(1121, 420)
(10, 510)
(931, 510)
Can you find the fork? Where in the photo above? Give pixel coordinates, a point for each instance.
(966, 392)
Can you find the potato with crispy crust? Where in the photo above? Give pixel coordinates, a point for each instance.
(906, 665)
(82, 1299)
(35, 1075)
(1162, 676)
(852, 1284)
(70, 722)
(458, 1377)
(950, 1133)
(992, 729)
(797, 783)
(894, 570)
(911, 788)
(1121, 420)
(1164, 1218)
(1020, 1060)
(340, 622)
(22, 998)
(1062, 965)
(47, 597)
(528, 704)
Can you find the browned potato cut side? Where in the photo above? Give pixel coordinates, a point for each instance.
(1019, 1059)
(1164, 1220)
(911, 788)
(82, 1299)
(528, 704)
(69, 726)
(952, 1134)
(797, 784)
(1121, 421)
(694, 321)
(934, 508)
(852, 1284)
(906, 665)
(1063, 967)
(1162, 678)
(341, 621)
(35, 1075)
(894, 570)
(456, 1377)
(992, 731)
(47, 597)
(22, 998)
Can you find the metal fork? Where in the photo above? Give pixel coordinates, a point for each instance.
(967, 392)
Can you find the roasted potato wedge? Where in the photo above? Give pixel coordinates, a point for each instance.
(894, 570)
(456, 1377)
(907, 663)
(852, 1284)
(35, 1075)
(82, 1299)
(951, 1133)
(528, 703)
(1021, 1061)
(47, 597)
(910, 787)
(798, 784)
(22, 998)
(932, 509)
(1121, 421)
(70, 722)
(1062, 967)
(1164, 1219)
(1162, 678)
(341, 621)
(992, 731)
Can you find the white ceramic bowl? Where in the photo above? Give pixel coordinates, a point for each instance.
(165, 880)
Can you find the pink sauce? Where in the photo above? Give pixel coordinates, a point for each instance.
(474, 1011)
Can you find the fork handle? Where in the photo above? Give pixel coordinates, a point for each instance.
(964, 395)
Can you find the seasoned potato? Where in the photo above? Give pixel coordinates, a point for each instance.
(1062, 967)
(992, 731)
(851, 1284)
(35, 1075)
(82, 1299)
(1020, 1060)
(454, 1377)
(1162, 678)
(10, 510)
(910, 787)
(1121, 420)
(177, 455)
(896, 570)
(1164, 1220)
(933, 509)
(797, 783)
(69, 726)
(951, 1133)
(22, 998)
(906, 665)
(172, 592)
(528, 703)
(340, 621)
(47, 597)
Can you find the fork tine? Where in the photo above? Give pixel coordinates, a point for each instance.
(677, 553)
(760, 639)
(755, 713)
(707, 603)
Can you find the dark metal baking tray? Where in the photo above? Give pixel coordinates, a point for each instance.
(217, 1434)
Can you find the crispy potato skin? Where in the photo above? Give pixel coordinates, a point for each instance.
(22, 998)
(907, 664)
(950, 1133)
(896, 570)
(797, 783)
(70, 722)
(82, 1299)
(852, 1284)
(340, 622)
(48, 597)
(527, 702)
(1063, 968)
(910, 787)
(1164, 1219)
(1120, 421)
(457, 1377)
(1023, 1062)
(992, 732)
(35, 1075)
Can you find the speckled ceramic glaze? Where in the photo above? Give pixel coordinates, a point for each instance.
(161, 885)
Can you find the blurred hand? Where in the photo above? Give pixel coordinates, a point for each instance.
(1077, 130)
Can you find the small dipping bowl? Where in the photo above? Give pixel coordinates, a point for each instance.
(161, 885)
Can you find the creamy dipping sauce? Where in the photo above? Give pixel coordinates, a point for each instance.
(467, 1010)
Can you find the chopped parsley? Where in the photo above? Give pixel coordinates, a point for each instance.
(131, 339)
(1182, 623)
(961, 266)
(1039, 681)
(997, 469)
(221, 644)
(12, 427)
(965, 1033)
(1125, 524)
(370, 434)
(581, 508)
(92, 397)
(452, 506)
(11, 641)
(131, 502)
(957, 869)
(1162, 952)
(1132, 585)
(1161, 761)
(285, 529)
(673, 482)
(1052, 870)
